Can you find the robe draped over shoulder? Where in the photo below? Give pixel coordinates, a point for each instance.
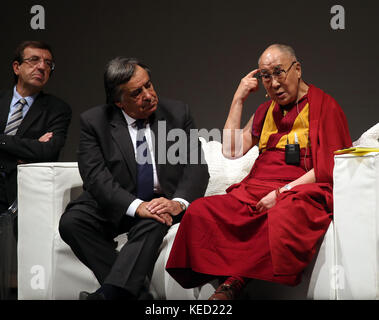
(225, 235)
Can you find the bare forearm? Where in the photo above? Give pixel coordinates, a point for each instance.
(237, 141)
(308, 177)
(232, 128)
(235, 113)
(269, 200)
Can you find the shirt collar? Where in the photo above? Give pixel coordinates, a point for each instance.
(128, 118)
(17, 97)
(131, 121)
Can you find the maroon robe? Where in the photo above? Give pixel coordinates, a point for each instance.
(225, 235)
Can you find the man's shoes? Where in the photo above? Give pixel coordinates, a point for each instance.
(145, 295)
(107, 292)
(84, 295)
(229, 290)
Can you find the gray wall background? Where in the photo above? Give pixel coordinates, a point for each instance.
(199, 50)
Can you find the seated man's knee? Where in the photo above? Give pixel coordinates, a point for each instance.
(155, 225)
(67, 224)
(148, 226)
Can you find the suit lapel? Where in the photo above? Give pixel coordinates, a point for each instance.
(34, 112)
(121, 136)
(5, 103)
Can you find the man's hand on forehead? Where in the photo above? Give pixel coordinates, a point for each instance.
(247, 85)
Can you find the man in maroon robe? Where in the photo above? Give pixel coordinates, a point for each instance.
(267, 226)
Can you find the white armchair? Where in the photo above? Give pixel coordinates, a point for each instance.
(48, 269)
(356, 220)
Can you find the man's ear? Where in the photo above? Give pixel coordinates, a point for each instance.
(16, 67)
(298, 69)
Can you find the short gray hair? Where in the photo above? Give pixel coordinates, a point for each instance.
(117, 72)
(283, 48)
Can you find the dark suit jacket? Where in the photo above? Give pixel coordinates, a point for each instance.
(47, 114)
(108, 167)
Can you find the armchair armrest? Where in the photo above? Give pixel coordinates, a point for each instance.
(356, 218)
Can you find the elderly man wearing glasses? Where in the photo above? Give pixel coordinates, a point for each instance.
(33, 125)
(267, 226)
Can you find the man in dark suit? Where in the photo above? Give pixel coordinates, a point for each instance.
(130, 185)
(33, 128)
(33, 124)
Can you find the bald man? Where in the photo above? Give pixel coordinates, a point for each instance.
(267, 226)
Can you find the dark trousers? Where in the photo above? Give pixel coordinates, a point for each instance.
(90, 236)
(4, 202)
(8, 245)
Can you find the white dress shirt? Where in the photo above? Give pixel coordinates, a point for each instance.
(131, 211)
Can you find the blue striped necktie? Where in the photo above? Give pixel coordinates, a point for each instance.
(15, 119)
(145, 180)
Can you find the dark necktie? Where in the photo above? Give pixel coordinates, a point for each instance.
(145, 182)
(15, 118)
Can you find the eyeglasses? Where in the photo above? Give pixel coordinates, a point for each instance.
(278, 74)
(37, 60)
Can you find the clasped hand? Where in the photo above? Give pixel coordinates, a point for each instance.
(267, 202)
(159, 209)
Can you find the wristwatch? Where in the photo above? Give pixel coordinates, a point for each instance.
(287, 187)
(182, 205)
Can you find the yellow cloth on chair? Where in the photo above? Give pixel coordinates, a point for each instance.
(357, 151)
